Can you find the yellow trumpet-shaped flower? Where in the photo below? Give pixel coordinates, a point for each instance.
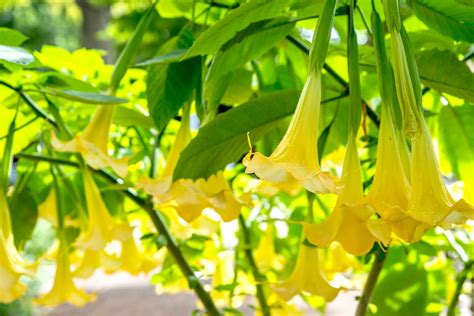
(92, 260)
(391, 189)
(430, 201)
(93, 143)
(64, 289)
(101, 227)
(223, 275)
(12, 264)
(10, 286)
(351, 222)
(190, 198)
(296, 156)
(160, 188)
(306, 277)
(135, 261)
(265, 255)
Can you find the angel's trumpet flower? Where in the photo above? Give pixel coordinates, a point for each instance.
(92, 144)
(190, 198)
(306, 277)
(10, 286)
(296, 156)
(101, 227)
(92, 260)
(12, 264)
(390, 191)
(160, 187)
(430, 201)
(133, 260)
(64, 289)
(351, 222)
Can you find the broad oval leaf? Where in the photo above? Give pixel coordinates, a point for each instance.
(238, 19)
(448, 17)
(11, 37)
(224, 140)
(15, 55)
(441, 70)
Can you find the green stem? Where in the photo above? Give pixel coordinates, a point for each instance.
(259, 278)
(158, 222)
(461, 279)
(374, 273)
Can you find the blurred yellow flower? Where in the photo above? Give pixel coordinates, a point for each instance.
(296, 156)
(223, 276)
(306, 277)
(101, 227)
(265, 255)
(91, 261)
(430, 201)
(391, 189)
(351, 222)
(190, 198)
(93, 143)
(64, 289)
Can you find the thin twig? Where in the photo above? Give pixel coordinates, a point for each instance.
(374, 273)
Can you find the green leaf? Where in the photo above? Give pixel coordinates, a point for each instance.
(444, 72)
(125, 58)
(15, 55)
(169, 86)
(170, 57)
(456, 136)
(238, 19)
(129, 117)
(86, 97)
(448, 17)
(11, 37)
(248, 44)
(24, 213)
(224, 140)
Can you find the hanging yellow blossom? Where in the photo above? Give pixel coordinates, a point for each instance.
(391, 189)
(306, 277)
(10, 286)
(92, 260)
(101, 227)
(351, 222)
(93, 143)
(190, 198)
(64, 289)
(296, 156)
(430, 201)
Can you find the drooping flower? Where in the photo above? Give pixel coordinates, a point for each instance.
(306, 277)
(190, 198)
(265, 255)
(223, 276)
(101, 228)
(64, 290)
(390, 191)
(12, 264)
(351, 223)
(296, 156)
(93, 143)
(10, 286)
(430, 201)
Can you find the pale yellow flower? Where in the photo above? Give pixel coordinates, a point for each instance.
(64, 289)
(390, 191)
(101, 228)
(430, 201)
(306, 277)
(93, 143)
(296, 156)
(351, 223)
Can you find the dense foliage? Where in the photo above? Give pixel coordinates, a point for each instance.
(277, 149)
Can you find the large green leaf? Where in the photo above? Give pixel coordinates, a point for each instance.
(448, 17)
(11, 37)
(224, 140)
(456, 137)
(15, 55)
(444, 72)
(249, 44)
(238, 19)
(129, 117)
(169, 86)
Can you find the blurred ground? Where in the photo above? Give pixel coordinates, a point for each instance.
(122, 295)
